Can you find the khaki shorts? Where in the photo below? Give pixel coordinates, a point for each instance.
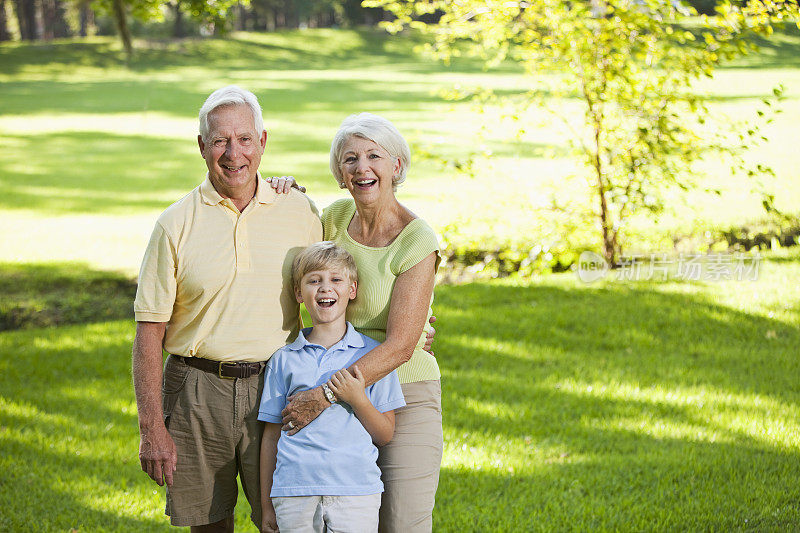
(410, 462)
(214, 423)
(318, 514)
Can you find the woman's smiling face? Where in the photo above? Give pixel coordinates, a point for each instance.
(367, 169)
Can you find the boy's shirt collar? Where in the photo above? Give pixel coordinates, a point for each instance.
(351, 339)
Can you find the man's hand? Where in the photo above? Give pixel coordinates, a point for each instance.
(303, 407)
(158, 455)
(269, 523)
(347, 387)
(430, 332)
(283, 184)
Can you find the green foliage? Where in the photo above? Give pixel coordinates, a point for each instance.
(467, 257)
(676, 411)
(218, 14)
(632, 65)
(140, 9)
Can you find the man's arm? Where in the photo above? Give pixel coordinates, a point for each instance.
(408, 309)
(157, 452)
(268, 460)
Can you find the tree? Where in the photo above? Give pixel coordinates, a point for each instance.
(85, 17)
(119, 10)
(213, 13)
(630, 62)
(53, 19)
(26, 18)
(5, 35)
(217, 15)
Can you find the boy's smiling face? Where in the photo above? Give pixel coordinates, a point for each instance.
(326, 294)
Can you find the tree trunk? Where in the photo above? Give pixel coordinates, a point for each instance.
(48, 19)
(240, 18)
(86, 17)
(26, 18)
(178, 30)
(291, 15)
(60, 26)
(5, 35)
(118, 10)
(609, 244)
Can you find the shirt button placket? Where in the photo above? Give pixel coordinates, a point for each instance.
(240, 239)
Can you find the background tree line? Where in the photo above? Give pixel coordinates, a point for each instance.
(30, 20)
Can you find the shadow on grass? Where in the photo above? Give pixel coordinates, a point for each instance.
(781, 50)
(669, 485)
(55, 294)
(278, 98)
(320, 49)
(531, 364)
(579, 459)
(627, 333)
(68, 432)
(148, 173)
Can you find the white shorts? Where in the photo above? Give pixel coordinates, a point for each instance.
(333, 514)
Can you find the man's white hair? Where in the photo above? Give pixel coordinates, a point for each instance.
(230, 95)
(378, 130)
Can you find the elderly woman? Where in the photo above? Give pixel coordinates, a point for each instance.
(397, 255)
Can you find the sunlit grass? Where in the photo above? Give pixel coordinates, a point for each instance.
(568, 407)
(84, 134)
(611, 406)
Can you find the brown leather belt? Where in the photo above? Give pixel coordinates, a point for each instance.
(224, 369)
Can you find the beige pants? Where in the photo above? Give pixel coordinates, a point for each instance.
(410, 462)
(332, 514)
(214, 423)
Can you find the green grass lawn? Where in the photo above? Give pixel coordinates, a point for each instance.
(611, 406)
(630, 406)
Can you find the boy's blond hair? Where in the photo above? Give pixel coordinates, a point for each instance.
(323, 255)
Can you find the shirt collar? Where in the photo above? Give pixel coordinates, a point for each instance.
(351, 339)
(264, 193)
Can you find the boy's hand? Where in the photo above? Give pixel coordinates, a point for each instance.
(269, 524)
(347, 387)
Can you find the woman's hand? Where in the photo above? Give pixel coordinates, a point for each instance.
(283, 184)
(430, 333)
(303, 407)
(348, 387)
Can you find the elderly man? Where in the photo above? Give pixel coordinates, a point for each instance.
(214, 293)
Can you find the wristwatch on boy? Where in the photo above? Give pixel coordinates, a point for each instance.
(328, 393)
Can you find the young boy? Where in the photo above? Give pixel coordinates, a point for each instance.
(325, 477)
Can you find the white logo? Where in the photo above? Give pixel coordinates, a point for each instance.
(591, 267)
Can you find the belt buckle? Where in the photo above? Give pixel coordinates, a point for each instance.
(221, 366)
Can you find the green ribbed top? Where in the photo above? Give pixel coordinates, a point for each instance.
(378, 269)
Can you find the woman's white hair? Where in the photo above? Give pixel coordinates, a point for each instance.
(378, 130)
(230, 95)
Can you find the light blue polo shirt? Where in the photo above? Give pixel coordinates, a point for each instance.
(334, 454)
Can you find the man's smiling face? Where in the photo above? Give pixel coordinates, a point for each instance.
(232, 150)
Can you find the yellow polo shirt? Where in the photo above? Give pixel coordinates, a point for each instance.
(220, 278)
